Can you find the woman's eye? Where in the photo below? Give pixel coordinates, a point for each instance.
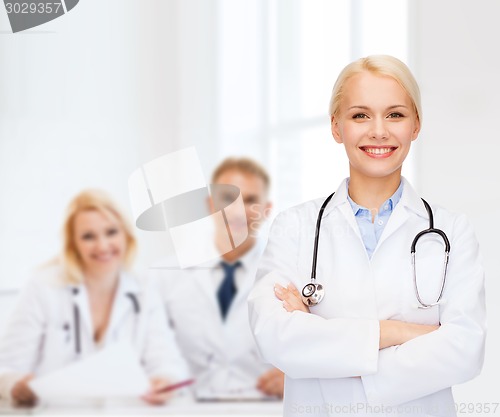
(88, 236)
(359, 116)
(395, 115)
(112, 232)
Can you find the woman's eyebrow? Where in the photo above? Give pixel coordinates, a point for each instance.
(358, 107)
(395, 106)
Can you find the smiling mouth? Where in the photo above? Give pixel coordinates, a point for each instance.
(378, 151)
(104, 257)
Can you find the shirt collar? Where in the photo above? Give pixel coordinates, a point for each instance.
(409, 199)
(249, 259)
(390, 203)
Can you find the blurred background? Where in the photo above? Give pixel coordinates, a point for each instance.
(88, 98)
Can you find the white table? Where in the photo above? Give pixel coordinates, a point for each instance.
(178, 407)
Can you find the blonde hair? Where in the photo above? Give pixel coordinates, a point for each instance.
(244, 165)
(85, 201)
(379, 65)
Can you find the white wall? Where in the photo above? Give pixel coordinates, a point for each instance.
(456, 55)
(87, 98)
(137, 78)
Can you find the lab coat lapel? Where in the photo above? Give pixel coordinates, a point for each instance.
(398, 217)
(122, 303)
(249, 263)
(348, 214)
(242, 294)
(204, 282)
(410, 202)
(339, 200)
(210, 316)
(81, 300)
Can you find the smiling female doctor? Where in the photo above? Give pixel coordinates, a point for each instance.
(85, 302)
(369, 347)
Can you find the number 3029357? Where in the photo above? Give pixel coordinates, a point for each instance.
(32, 8)
(477, 408)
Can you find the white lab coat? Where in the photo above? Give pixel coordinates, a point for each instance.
(222, 354)
(321, 352)
(40, 336)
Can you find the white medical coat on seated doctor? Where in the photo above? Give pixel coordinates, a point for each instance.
(222, 354)
(331, 356)
(40, 335)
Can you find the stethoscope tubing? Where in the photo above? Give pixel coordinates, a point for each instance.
(316, 237)
(413, 251)
(313, 293)
(76, 318)
(308, 295)
(443, 282)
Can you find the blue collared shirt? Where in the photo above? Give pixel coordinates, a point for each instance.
(371, 232)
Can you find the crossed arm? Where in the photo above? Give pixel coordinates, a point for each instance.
(393, 358)
(392, 332)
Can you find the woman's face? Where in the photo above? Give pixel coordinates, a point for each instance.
(100, 241)
(376, 123)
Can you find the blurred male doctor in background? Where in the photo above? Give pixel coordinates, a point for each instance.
(211, 322)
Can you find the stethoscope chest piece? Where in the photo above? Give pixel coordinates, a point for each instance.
(312, 294)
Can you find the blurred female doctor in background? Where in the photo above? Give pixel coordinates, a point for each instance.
(84, 302)
(368, 347)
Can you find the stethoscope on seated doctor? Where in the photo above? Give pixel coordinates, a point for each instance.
(76, 317)
(314, 292)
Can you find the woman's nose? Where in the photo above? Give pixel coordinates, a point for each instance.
(378, 129)
(102, 243)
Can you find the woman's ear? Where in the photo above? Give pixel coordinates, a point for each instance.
(335, 130)
(416, 131)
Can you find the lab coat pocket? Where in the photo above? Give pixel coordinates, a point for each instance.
(58, 346)
(59, 335)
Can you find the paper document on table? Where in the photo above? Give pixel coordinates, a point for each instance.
(248, 394)
(115, 371)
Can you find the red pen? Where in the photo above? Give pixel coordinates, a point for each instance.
(175, 386)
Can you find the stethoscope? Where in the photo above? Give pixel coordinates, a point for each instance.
(76, 316)
(314, 292)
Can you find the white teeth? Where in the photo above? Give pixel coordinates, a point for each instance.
(103, 257)
(377, 151)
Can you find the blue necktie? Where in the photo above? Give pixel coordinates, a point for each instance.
(227, 289)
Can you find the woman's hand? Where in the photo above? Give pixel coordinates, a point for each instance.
(22, 393)
(395, 332)
(272, 383)
(291, 298)
(154, 395)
